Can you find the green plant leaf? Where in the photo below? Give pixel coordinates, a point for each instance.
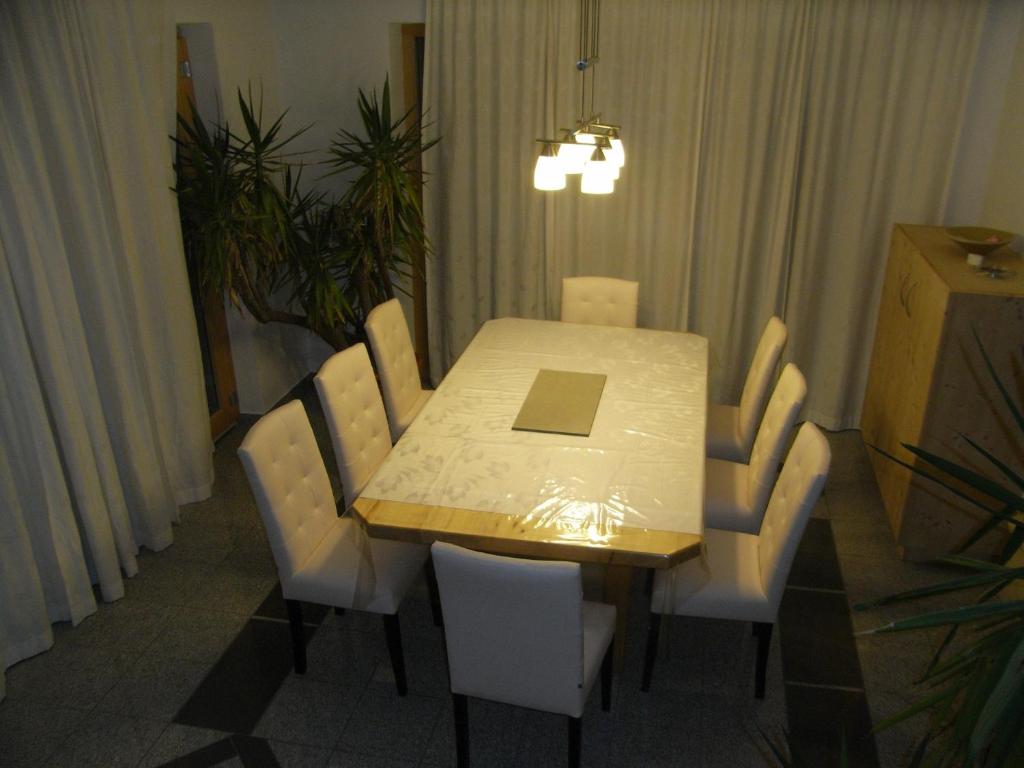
(1008, 472)
(967, 582)
(954, 616)
(969, 476)
(939, 481)
(1017, 415)
(999, 698)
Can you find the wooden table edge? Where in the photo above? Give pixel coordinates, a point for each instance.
(386, 520)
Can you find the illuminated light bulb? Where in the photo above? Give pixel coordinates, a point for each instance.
(597, 178)
(574, 156)
(548, 173)
(617, 152)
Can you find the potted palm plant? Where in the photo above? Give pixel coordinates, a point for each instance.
(974, 681)
(291, 256)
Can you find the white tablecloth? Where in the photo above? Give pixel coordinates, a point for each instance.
(642, 465)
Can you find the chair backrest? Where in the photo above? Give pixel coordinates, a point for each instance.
(796, 492)
(599, 301)
(776, 426)
(759, 377)
(513, 628)
(396, 362)
(355, 417)
(290, 483)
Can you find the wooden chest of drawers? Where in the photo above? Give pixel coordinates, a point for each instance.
(928, 383)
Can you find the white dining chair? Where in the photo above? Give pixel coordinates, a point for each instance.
(748, 573)
(735, 495)
(731, 428)
(355, 417)
(358, 427)
(600, 301)
(388, 334)
(320, 556)
(519, 632)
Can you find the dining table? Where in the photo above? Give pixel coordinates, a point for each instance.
(628, 495)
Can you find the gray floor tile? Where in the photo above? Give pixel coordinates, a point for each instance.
(177, 741)
(307, 711)
(495, 731)
(196, 635)
(153, 688)
(201, 537)
(69, 675)
(108, 741)
(386, 724)
(299, 755)
(343, 657)
(168, 582)
(345, 759)
(30, 733)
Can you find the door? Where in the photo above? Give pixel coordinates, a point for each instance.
(211, 319)
(413, 41)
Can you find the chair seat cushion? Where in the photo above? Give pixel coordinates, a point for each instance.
(733, 589)
(402, 421)
(723, 438)
(726, 497)
(331, 574)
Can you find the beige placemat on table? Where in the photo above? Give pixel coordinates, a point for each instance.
(563, 402)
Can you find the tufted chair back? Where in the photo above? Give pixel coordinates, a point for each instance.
(355, 417)
(599, 301)
(796, 492)
(396, 361)
(772, 435)
(759, 376)
(513, 628)
(290, 483)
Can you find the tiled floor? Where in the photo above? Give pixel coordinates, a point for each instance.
(193, 666)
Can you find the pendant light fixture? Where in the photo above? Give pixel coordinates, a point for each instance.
(592, 149)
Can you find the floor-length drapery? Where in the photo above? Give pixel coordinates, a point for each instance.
(770, 148)
(103, 422)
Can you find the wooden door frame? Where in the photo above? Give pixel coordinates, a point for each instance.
(214, 317)
(411, 97)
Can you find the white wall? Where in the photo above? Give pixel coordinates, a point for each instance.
(329, 49)
(269, 359)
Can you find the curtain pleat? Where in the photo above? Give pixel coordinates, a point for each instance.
(770, 148)
(105, 426)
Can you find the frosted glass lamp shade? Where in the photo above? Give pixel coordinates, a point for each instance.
(574, 156)
(597, 180)
(548, 173)
(617, 153)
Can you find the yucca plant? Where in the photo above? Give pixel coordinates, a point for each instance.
(975, 686)
(381, 208)
(290, 256)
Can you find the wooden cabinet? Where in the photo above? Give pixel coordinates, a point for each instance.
(928, 383)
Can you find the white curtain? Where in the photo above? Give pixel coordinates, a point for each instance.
(103, 422)
(770, 148)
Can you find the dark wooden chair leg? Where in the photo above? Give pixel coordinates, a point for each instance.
(461, 730)
(393, 632)
(763, 631)
(298, 635)
(435, 596)
(653, 628)
(607, 667)
(575, 739)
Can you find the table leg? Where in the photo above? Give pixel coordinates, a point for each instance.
(617, 582)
